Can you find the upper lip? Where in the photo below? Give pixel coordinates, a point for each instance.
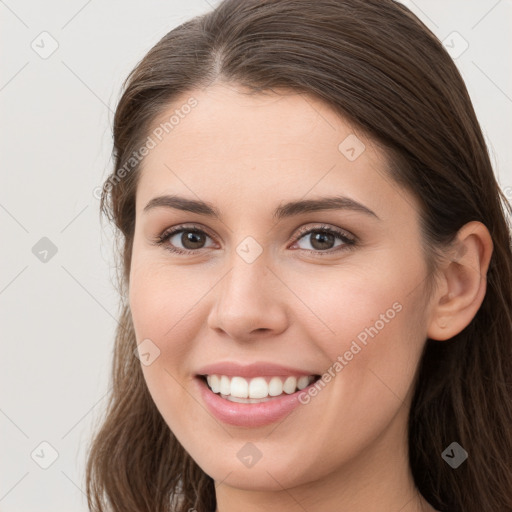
(260, 369)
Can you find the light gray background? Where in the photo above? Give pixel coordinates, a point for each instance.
(58, 317)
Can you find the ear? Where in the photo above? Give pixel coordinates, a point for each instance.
(462, 282)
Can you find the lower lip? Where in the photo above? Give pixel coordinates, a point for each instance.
(249, 415)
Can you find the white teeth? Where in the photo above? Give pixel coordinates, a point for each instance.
(290, 385)
(275, 386)
(239, 388)
(257, 388)
(213, 382)
(245, 400)
(225, 385)
(303, 382)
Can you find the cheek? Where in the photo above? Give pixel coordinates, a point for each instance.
(353, 302)
(161, 299)
(374, 342)
(162, 307)
(161, 304)
(369, 322)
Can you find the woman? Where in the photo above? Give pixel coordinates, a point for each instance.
(316, 272)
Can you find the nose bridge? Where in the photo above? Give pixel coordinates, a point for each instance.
(247, 281)
(247, 298)
(248, 261)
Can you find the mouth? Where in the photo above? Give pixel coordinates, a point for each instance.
(253, 402)
(257, 389)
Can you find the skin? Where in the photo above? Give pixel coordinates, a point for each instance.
(346, 450)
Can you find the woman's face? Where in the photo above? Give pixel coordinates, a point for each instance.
(254, 287)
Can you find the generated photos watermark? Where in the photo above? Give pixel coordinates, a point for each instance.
(355, 348)
(151, 142)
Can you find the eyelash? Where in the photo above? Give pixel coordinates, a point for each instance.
(348, 242)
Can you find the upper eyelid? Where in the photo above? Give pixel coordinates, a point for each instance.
(324, 227)
(185, 227)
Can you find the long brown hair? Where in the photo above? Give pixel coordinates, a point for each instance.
(379, 67)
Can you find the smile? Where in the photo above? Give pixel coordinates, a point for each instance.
(247, 411)
(258, 389)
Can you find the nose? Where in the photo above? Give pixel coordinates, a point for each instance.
(249, 302)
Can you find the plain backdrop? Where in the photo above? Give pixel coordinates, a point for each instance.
(62, 66)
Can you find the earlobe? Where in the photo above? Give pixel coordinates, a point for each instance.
(463, 282)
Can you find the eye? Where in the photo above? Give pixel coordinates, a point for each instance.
(192, 238)
(322, 238)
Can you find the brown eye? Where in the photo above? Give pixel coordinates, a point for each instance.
(183, 240)
(192, 239)
(323, 239)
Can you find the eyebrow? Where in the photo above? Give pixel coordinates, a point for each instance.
(286, 210)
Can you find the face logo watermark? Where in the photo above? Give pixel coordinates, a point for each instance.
(351, 147)
(44, 250)
(455, 45)
(45, 45)
(454, 455)
(147, 351)
(44, 455)
(249, 250)
(249, 455)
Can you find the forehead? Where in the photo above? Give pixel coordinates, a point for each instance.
(227, 118)
(254, 149)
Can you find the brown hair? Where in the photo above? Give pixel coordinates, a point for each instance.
(379, 67)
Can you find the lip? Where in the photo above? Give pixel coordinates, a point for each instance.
(260, 369)
(249, 415)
